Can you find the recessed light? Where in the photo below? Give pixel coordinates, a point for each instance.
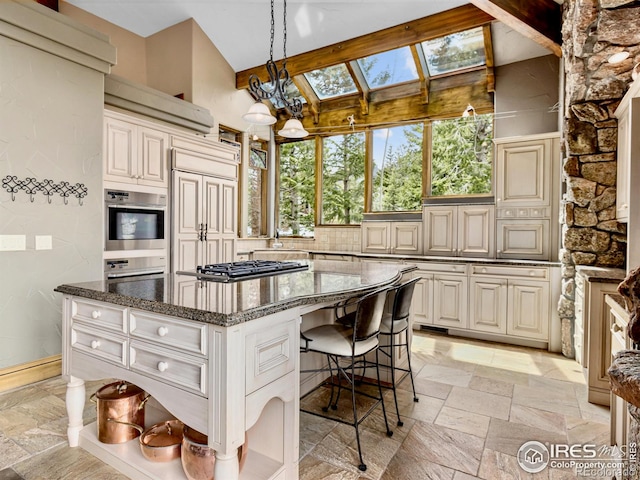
(618, 57)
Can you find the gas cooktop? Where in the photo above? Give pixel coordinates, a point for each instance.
(235, 271)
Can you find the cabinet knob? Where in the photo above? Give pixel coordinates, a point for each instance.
(162, 331)
(615, 328)
(532, 273)
(163, 366)
(484, 270)
(95, 344)
(96, 314)
(625, 206)
(499, 199)
(499, 251)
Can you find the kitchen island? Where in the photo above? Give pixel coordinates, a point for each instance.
(221, 357)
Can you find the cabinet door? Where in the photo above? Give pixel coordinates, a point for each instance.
(528, 309)
(422, 302)
(153, 157)
(187, 221)
(524, 173)
(120, 151)
(375, 237)
(523, 239)
(488, 305)
(475, 231)
(440, 224)
(406, 237)
(229, 208)
(623, 163)
(450, 301)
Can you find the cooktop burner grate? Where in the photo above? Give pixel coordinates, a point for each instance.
(226, 272)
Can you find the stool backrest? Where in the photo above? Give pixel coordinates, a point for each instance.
(369, 315)
(402, 299)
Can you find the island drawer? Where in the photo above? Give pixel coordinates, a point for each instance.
(270, 353)
(182, 371)
(100, 314)
(99, 344)
(190, 337)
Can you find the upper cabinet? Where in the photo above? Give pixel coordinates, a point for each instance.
(392, 237)
(527, 196)
(459, 230)
(134, 153)
(628, 115)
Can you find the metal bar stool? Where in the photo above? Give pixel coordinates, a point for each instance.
(345, 347)
(396, 322)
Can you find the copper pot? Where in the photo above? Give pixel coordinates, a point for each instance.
(117, 405)
(162, 441)
(198, 459)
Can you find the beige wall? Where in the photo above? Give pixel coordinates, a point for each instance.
(132, 60)
(51, 120)
(170, 60)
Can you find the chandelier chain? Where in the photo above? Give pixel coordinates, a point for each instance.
(284, 42)
(273, 30)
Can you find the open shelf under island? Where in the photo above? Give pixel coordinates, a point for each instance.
(221, 357)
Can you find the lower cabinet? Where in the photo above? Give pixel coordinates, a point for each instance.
(618, 319)
(510, 303)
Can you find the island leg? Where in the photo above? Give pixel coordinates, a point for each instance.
(226, 466)
(75, 406)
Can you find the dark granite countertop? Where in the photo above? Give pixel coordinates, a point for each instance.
(237, 302)
(413, 258)
(601, 274)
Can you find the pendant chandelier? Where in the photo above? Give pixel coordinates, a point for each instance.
(274, 90)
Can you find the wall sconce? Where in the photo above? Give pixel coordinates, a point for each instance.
(468, 111)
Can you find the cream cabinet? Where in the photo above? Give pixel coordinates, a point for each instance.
(628, 115)
(591, 332)
(511, 301)
(440, 296)
(205, 204)
(527, 193)
(459, 230)
(618, 320)
(134, 152)
(392, 237)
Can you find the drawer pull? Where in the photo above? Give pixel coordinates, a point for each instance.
(95, 344)
(96, 314)
(532, 273)
(484, 270)
(162, 331)
(163, 366)
(615, 328)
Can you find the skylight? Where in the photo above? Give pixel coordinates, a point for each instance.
(455, 52)
(389, 68)
(331, 81)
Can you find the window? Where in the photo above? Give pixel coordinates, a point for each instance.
(462, 156)
(331, 81)
(389, 68)
(397, 168)
(455, 52)
(297, 188)
(343, 179)
(256, 191)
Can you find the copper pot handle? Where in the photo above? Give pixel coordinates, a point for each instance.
(92, 398)
(132, 425)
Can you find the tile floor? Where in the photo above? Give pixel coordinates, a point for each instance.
(478, 402)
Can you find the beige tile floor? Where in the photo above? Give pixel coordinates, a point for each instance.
(478, 402)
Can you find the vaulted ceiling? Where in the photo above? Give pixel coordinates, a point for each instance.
(322, 33)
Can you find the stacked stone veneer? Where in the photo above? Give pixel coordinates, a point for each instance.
(592, 31)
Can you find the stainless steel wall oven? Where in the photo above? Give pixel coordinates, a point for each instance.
(134, 220)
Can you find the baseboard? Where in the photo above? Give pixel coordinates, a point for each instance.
(27, 373)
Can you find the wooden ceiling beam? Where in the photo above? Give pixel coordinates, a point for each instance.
(444, 23)
(539, 20)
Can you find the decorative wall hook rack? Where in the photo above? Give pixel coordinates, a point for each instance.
(31, 186)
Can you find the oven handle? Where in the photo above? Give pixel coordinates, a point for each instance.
(135, 274)
(146, 206)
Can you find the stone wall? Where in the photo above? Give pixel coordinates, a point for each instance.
(592, 31)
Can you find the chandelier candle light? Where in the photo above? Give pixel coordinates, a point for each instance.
(279, 79)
